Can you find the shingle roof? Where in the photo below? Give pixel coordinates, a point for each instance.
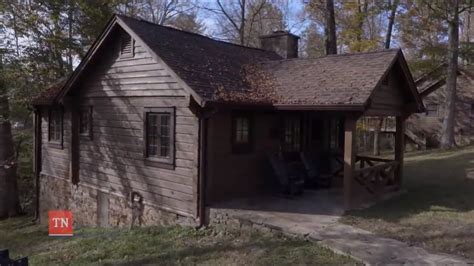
(222, 72)
(206, 65)
(347, 79)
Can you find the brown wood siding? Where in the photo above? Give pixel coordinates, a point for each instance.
(119, 89)
(55, 160)
(141, 75)
(113, 159)
(388, 99)
(232, 175)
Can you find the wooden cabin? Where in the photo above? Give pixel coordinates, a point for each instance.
(159, 123)
(431, 86)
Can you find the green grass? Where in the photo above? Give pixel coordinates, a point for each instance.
(436, 213)
(159, 245)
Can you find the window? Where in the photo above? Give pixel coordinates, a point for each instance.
(432, 110)
(292, 134)
(85, 122)
(55, 126)
(241, 133)
(126, 46)
(159, 136)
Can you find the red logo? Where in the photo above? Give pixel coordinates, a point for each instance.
(60, 223)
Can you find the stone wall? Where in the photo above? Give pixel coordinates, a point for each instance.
(226, 219)
(93, 207)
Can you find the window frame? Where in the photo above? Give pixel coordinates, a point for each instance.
(156, 161)
(87, 135)
(242, 147)
(428, 110)
(53, 142)
(296, 143)
(124, 37)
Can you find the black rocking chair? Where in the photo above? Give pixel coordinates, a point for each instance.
(290, 182)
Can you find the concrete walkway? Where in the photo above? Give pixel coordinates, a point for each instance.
(316, 215)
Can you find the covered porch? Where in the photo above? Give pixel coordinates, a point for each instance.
(287, 137)
(307, 133)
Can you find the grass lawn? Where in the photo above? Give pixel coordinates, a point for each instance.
(436, 213)
(159, 245)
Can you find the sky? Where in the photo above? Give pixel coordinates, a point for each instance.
(294, 7)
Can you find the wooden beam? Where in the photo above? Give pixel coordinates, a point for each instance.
(74, 150)
(349, 159)
(399, 148)
(37, 140)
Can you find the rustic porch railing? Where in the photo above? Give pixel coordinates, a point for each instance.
(377, 175)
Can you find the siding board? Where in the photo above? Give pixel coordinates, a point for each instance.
(119, 90)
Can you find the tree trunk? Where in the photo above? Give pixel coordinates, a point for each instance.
(362, 9)
(242, 22)
(9, 197)
(377, 130)
(391, 21)
(330, 29)
(447, 139)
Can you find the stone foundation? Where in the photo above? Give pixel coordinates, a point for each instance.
(93, 206)
(225, 219)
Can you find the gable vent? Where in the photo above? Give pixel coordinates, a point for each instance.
(126, 46)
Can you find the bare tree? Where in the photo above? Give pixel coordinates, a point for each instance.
(241, 21)
(187, 22)
(162, 11)
(391, 21)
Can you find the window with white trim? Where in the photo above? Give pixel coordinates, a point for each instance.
(55, 126)
(159, 131)
(85, 122)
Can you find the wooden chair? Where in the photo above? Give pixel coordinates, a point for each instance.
(315, 172)
(290, 182)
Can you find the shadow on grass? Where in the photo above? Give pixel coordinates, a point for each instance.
(201, 254)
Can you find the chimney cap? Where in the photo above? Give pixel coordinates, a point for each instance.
(277, 33)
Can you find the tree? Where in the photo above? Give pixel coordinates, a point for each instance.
(330, 29)
(187, 22)
(9, 197)
(423, 36)
(312, 42)
(160, 11)
(391, 21)
(322, 11)
(449, 12)
(244, 21)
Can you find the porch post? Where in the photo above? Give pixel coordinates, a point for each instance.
(399, 148)
(349, 159)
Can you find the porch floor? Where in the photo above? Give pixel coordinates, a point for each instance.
(312, 207)
(315, 215)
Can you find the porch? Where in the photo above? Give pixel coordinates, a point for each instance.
(330, 137)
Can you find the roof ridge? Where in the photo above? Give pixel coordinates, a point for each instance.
(192, 33)
(331, 55)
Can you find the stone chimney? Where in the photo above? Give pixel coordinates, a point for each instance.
(281, 42)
